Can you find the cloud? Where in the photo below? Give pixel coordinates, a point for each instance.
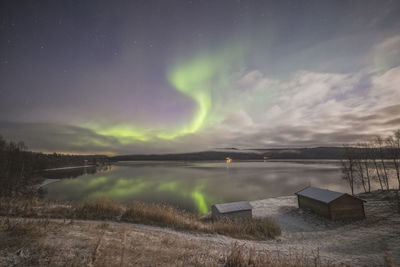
(239, 119)
(386, 54)
(49, 137)
(321, 108)
(248, 109)
(307, 109)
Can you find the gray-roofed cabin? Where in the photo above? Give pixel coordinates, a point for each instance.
(232, 210)
(331, 204)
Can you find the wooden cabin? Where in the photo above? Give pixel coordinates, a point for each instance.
(232, 210)
(331, 204)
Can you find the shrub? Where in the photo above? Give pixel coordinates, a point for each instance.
(154, 214)
(242, 256)
(249, 228)
(101, 208)
(162, 215)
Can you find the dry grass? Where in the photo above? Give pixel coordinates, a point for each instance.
(388, 259)
(40, 243)
(151, 214)
(162, 215)
(20, 243)
(167, 216)
(29, 242)
(242, 256)
(98, 209)
(19, 206)
(34, 207)
(37, 242)
(254, 228)
(17, 234)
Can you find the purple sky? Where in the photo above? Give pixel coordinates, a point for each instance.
(149, 76)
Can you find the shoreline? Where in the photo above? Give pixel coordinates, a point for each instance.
(47, 182)
(69, 168)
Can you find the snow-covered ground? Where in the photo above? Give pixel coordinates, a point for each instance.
(362, 242)
(98, 243)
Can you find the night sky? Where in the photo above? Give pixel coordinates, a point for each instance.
(147, 76)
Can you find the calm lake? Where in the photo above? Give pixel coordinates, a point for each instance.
(195, 186)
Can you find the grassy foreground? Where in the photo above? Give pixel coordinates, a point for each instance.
(51, 242)
(151, 214)
(86, 235)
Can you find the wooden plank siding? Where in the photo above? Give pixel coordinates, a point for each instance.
(347, 207)
(314, 205)
(331, 204)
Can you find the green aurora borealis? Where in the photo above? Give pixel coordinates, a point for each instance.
(199, 79)
(162, 77)
(141, 77)
(195, 186)
(146, 185)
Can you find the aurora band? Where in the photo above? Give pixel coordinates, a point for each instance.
(197, 79)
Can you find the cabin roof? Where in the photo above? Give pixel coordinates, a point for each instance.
(233, 206)
(323, 195)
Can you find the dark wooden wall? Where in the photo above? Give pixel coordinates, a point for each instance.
(314, 205)
(347, 207)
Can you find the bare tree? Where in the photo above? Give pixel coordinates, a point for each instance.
(348, 167)
(359, 166)
(366, 156)
(384, 174)
(374, 156)
(378, 159)
(393, 143)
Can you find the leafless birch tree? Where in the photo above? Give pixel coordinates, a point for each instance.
(348, 167)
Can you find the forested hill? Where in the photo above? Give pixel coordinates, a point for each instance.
(236, 154)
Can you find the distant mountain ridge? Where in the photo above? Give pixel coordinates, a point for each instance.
(243, 154)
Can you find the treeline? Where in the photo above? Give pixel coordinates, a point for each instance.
(20, 168)
(376, 161)
(196, 156)
(312, 153)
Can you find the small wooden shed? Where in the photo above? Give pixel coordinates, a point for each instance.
(231, 210)
(331, 204)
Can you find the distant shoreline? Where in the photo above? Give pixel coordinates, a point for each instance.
(69, 168)
(317, 153)
(48, 181)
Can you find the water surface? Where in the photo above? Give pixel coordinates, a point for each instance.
(195, 186)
